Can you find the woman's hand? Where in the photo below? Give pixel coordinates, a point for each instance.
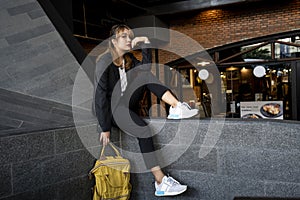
(104, 137)
(137, 40)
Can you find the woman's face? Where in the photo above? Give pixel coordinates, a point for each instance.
(122, 42)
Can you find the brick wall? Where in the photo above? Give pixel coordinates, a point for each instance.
(216, 27)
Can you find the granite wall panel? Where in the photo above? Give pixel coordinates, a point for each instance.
(6, 178)
(54, 164)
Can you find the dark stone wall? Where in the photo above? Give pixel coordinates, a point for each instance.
(249, 159)
(45, 165)
(240, 158)
(34, 58)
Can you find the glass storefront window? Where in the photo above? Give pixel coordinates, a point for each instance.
(261, 53)
(263, 74)
(283, 50)
(242, 85)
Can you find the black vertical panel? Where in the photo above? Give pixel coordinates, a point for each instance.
(64, 8)
(67, 35)
(157, 75)
(295, 90)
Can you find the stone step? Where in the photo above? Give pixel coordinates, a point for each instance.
(24, 113)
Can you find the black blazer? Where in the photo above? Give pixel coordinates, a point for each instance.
(106, 79)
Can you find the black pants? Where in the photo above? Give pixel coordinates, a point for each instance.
(135, 125)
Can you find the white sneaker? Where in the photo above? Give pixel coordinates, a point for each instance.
(181, 111)
(169, 187)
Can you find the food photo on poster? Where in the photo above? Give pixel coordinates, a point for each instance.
(262, 109)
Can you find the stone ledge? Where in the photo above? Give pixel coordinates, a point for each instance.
(242, 162)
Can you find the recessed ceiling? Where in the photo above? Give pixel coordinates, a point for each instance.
(93, 18)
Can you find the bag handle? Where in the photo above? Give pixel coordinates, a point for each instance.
(113, 147)
(102, 156)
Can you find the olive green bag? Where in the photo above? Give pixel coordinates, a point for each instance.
(112, 177)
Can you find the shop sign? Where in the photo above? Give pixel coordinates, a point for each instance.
(262, 109)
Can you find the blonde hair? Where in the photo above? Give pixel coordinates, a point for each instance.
(117, 60)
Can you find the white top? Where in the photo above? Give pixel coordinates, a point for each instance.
(123, 78)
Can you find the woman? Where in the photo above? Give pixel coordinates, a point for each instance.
(116, 73)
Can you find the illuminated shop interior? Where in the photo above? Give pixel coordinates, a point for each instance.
(262, 71)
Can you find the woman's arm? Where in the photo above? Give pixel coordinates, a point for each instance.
(146, 52)
(104, 137)
(102, 104)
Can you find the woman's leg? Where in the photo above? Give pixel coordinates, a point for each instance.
(164, 94)
(169, 98)
(146, 146)
(178, 110)
(138, 128)
(158, 174)
(160, 90)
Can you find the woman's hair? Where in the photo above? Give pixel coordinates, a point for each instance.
(116, 29)
(114, 33)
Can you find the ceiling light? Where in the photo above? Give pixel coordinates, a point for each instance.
(203, 63)
(259, 71)
(203, 74)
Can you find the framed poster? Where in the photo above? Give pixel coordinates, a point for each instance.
(262, 109)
